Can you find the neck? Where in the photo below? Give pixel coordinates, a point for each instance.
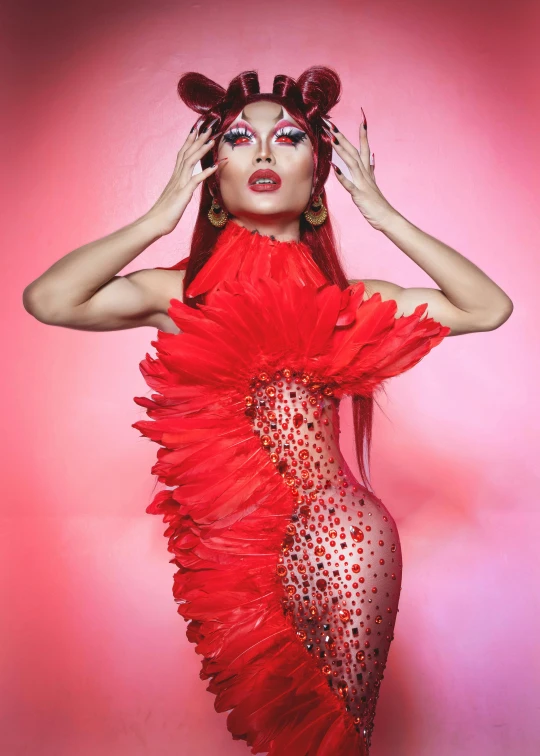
(288, 231)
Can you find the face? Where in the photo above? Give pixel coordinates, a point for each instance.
(265, 137)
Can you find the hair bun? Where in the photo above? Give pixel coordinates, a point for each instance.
(321, 90)
(198, 92)
(318, 88)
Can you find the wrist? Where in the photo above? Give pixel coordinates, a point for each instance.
(392, 221)
(152, 226)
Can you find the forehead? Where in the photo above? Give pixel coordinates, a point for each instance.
(264, 113)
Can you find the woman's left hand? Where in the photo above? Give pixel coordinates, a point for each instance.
(363, 188)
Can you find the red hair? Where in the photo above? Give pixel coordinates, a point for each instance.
(308, 99)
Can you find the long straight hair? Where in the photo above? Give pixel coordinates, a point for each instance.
(308, 99)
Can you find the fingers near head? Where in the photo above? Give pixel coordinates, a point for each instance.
(208, 171)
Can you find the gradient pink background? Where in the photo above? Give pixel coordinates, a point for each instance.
(94, 658)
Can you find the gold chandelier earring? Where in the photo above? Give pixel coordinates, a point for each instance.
(317, 212)
(217, 215)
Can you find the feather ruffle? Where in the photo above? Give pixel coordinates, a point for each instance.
(229, 507)
(244, 255)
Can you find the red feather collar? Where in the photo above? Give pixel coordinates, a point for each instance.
(240, 254)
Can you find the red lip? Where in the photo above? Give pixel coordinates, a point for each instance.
(265, 173)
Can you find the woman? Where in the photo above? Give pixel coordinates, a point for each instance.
(289, 568)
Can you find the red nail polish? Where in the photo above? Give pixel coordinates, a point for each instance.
(365, 119)
(336, 168)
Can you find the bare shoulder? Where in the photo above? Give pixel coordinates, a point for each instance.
(407, 300)
(137, 299)
(161, 287)
(439, 307)
(386, 289)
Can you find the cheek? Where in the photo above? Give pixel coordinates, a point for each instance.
(232, 173)
(231, 179)
(306, 161)
(300, 169)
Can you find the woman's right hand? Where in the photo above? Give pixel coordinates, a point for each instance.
(174, 199)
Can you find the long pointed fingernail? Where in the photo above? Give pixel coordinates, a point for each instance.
(365, 119)
(333, 126)
(211, 124)
(196, 125)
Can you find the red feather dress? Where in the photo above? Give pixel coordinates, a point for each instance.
(289, 570)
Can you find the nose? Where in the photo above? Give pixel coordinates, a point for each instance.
(264, 153)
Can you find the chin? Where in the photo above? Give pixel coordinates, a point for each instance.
(263, 207)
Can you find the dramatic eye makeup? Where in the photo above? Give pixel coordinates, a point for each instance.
(290, 135)
(242, 133)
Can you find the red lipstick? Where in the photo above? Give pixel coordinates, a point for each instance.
(264, 173)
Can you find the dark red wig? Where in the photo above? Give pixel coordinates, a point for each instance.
(308, 99)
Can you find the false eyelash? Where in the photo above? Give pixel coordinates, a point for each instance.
(295, 134)
(233, 134)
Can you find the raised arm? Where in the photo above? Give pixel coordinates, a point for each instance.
(83, 290)
(467, 299)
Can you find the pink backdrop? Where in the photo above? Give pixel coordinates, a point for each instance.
(94, 658)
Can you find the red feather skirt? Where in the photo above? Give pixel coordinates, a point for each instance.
(289, 570)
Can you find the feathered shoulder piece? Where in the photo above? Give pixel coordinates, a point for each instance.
(343, 341)
(268, 304)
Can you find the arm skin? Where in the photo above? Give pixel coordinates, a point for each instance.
(83, 290)
(467, 301)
